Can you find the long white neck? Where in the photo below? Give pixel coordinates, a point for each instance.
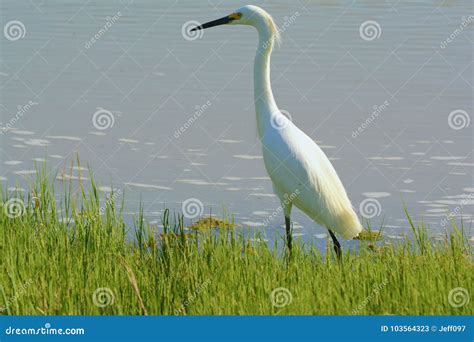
(263, 96)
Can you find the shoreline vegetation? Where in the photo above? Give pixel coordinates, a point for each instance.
(68, 254)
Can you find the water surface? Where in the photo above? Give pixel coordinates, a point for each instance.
(380, 108)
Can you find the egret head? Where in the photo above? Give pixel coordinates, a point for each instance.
(247, 15)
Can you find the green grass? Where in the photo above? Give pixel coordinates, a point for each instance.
(64, 257)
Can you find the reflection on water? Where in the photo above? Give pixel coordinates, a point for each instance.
(391, 111)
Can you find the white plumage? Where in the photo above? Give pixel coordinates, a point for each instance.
(296, 165)
(301, 173)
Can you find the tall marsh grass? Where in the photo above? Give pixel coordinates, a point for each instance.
(70, 254)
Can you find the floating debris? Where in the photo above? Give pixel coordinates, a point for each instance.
(369, 235)
(206, 223)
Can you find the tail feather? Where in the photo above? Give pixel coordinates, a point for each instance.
(349, 225)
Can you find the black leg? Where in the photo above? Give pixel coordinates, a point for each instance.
(288, 233)
(337, 245)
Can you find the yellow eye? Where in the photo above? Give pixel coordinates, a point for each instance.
(235, 16)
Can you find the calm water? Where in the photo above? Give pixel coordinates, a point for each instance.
(379, 107)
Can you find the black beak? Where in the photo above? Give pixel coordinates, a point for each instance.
(213, 23)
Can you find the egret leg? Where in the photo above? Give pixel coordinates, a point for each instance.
(337, 245)
(288, 233)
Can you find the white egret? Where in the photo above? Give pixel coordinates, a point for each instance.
(301, 173)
